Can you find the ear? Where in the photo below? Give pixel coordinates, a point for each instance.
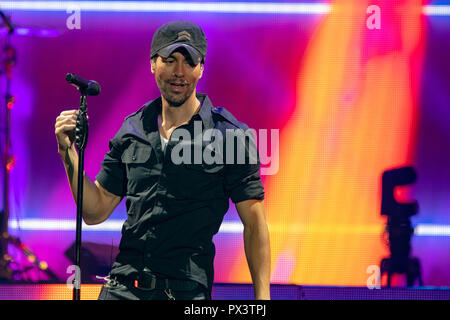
(201, 70)
(153, 65)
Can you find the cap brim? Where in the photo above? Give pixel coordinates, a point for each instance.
(167, 51)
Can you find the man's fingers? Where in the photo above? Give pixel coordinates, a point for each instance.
(69, 112)
(66, 118)
(64, 128)
(62, 118)
(63, 121)
(66, 122)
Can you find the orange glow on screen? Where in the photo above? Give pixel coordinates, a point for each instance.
(356, 113)
(62, 292)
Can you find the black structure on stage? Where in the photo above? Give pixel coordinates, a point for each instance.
(399, 227)
(8, 161)
(85, 88)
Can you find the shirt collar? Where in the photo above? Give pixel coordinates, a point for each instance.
(205, 110)
(153, 108)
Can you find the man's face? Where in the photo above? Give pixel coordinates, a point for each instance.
(176, 77)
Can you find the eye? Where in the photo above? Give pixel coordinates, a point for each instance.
(189, 63)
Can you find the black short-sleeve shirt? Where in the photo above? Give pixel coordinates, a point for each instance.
(174, 208)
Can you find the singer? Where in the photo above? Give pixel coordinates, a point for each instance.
(173, 210)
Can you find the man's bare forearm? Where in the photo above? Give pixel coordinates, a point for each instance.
(91, 194)
(257, 250)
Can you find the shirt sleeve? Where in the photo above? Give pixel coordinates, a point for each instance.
(242, 178)
(112, 175)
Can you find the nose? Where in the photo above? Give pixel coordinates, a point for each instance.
(179, 69)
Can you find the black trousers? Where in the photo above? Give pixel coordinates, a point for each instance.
(124, 290)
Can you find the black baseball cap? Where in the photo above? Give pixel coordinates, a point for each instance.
(179, 34)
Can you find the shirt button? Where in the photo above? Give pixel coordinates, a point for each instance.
(134, 158)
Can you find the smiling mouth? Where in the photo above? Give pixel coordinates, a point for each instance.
(178, 84)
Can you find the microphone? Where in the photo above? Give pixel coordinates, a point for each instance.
(88, 87)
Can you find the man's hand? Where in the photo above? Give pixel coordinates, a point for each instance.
(65, 130)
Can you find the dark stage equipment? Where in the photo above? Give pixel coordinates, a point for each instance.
(8, 162)
(399, 228)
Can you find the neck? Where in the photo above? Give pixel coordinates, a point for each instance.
(176, 116)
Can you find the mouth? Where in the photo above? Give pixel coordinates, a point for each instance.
(178, 84)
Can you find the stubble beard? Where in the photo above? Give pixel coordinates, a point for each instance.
(175, 100)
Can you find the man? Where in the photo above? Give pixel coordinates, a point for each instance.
(174, 209)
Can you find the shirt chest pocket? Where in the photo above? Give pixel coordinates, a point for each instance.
(137, 162)
(199, 181)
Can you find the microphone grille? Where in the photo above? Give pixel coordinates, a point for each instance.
(93, 88)
(69, 77)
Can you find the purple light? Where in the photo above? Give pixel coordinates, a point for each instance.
(22, 31)
(30, 32)
(47, 33)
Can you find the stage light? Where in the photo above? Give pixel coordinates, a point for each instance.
(216, 7)
(10, 164)
(166, 6)
(31, 32)
(111, 225)
(43, 265)
(436, 10)
(432, 230)
(23, 31)
(227, 227)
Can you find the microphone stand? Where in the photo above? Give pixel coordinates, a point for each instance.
(81, 134)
